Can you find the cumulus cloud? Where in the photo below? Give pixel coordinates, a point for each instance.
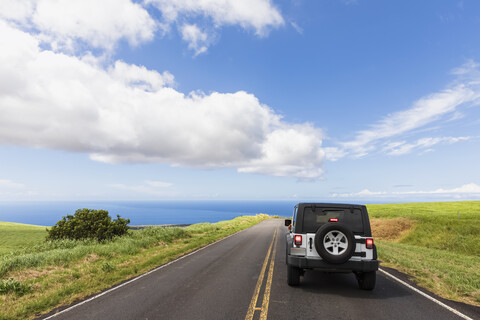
(127, 113)
(18, 11)
(62, 23)
(293, 150)
(465, 91)
(260, 15)
(197, 40)
(75, 26)
(470, 190)
(140, 77)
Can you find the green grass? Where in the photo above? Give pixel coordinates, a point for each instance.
(14, 236)
(451, 275)
(60, 272)
(442, 251)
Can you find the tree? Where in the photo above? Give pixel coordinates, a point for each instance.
(88, 224)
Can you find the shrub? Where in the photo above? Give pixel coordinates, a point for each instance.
(88, 224)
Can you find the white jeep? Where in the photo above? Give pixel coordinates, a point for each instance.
(332, 238)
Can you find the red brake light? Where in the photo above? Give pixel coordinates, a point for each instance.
(333, 219)
(369, 243)
(298, 240)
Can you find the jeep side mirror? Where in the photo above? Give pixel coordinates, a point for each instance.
(288, 222)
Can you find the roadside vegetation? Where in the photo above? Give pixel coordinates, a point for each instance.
(38, 278)
(437, 244)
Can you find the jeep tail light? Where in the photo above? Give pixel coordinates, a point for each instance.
(298, 240)
(333, 219)
(369, 243)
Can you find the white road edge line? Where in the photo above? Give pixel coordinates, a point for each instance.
(458, 313)
(140, 276)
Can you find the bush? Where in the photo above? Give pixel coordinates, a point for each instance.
(88, 224)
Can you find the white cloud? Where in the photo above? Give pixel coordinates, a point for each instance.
(18, 11)
(334, 153)
(140, 77)
(127, 114)
(101, 24)
(425, 111)
(402, 147)
(470, 188)
(290, 151)
(197, 40)
(259, 15)
(77, 26)
(465, 191)
(466, 68)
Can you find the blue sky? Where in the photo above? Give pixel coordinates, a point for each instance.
(330, 100)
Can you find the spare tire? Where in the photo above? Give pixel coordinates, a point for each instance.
(335, 242)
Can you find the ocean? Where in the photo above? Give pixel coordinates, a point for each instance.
(46, 213)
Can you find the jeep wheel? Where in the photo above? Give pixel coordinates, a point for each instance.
(366, 280)
(335, 243)
(293, 275)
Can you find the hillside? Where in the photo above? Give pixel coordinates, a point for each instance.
(14, 236)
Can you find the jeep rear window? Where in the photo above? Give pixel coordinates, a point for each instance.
(314, 218)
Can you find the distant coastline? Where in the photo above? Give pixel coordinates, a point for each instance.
(143, 213)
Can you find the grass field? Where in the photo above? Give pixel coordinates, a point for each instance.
(438, 244)
(15, 236)
(38, 278)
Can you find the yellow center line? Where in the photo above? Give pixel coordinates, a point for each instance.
(268, 287)
(253, 303)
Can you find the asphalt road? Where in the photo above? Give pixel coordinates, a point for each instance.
(244, 277)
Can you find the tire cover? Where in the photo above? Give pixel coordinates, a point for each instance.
(327, 256)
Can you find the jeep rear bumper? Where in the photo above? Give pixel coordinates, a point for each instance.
(360, 266)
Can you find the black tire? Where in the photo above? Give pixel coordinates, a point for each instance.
(367, 280)
(335, 228)
(293, 275)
